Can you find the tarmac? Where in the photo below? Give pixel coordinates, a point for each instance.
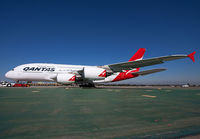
(64, 112)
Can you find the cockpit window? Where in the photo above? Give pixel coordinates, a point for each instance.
(12, 69)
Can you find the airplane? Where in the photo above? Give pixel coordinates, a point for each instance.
(88, 76)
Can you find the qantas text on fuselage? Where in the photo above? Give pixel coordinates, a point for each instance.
(38, 69)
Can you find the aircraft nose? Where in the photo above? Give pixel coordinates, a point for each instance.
(8, 75)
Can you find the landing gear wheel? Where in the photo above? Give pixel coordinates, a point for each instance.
(8, 85)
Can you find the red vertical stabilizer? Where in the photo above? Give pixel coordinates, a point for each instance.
(138, 55)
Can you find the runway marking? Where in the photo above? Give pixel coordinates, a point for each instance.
(35, 91)
(117, 90)
(110, 90)
(168, 90)
(148, 90)
(149, 96)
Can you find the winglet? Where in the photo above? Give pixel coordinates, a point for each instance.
(191, 56)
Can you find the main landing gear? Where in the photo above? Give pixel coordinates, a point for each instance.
(87, 85)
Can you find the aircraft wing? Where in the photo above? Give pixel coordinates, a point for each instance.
(148, 71)
(146, 62)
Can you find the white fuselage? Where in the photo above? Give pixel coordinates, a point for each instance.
(48, 72)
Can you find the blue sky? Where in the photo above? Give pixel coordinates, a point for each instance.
(101, 32)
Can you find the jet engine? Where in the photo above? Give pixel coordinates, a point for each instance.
(94, 73)
(66, 78)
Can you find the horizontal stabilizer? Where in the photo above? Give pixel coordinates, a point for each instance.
(148, 71)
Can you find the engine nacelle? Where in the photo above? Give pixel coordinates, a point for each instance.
(66, 78)
(94, 73)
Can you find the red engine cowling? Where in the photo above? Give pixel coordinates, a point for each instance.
(94, 73)
(66, 78)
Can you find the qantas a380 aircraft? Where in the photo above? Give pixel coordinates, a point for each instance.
(89, 75)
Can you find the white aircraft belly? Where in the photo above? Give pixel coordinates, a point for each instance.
(35, 76)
